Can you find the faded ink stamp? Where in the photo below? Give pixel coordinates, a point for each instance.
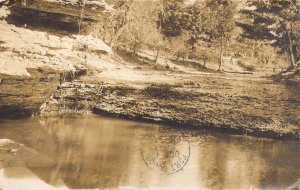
(168, 154)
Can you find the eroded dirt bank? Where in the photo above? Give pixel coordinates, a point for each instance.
(235, 104)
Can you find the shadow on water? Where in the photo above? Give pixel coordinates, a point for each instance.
(88, 152)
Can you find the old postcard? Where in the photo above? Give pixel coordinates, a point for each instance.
(150, 94)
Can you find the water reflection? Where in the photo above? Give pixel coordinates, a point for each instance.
(90, 152)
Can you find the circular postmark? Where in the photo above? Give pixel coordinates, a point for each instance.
(168, 154)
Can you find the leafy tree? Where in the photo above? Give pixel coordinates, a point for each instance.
(142, 29)
(276, 22)
(179, 47)
(132, 24)
(179, 19)
(169, 18)
(156, 41)
(117, 22)
(192, 23)
(218, 20)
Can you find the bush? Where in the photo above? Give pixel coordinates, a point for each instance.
(159, 91)
(247, 67)
(166, 91)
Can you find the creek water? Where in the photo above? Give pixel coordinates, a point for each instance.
(95, 152)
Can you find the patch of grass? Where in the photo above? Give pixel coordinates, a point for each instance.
(194, 64)
(247, 67)
(166, 91)
(133, 58)
(141, 61)
(159, 91)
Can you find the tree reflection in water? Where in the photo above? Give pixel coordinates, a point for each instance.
(89, 152)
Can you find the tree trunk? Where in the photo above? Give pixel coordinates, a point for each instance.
(221, 52)
(134, 48)
(225, 46)
(292, 58)
(204, 63)
(157, 55)
(120, 30)
(253, 49)
(267, 60)
(178, 56)
(166, 56)
(81, 15)
(117, 34)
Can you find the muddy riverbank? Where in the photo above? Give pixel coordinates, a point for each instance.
(218, 102)
(222, 103)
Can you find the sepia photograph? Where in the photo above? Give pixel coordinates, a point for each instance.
(150, 94)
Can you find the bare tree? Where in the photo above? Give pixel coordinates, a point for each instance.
(82, 6)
